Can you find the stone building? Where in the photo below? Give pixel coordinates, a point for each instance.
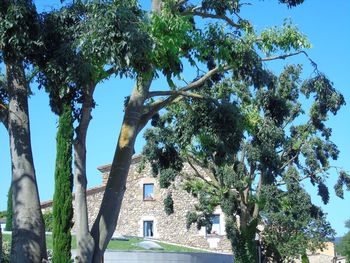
(142, 213)
(325, 255)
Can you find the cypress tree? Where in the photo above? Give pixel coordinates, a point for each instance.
(62, 202)
(8, 226)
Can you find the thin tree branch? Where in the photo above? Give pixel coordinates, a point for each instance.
(160, 104)
(201, 81)
(32, 75)
(282, 182)
(202, 14)
(212, 182)
(291, 55)
(303, 141)
(181, 93)
(211, 176)
(282, 56)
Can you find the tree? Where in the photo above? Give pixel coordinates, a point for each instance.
(250, 134)
(343, 248)
(62, 201)
(63, 69)
(172, 36)
(48, 219)
(9, 213)
(117, 37)
(18, 43)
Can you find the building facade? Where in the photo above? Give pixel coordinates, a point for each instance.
(142, 213)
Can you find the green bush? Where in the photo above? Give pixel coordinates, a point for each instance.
(304, 259)
(6, 249)
(48, 219)
(169, 204)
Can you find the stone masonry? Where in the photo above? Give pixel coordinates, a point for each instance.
(135, 210)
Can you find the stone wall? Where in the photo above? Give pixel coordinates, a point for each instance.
(170, 228)
(135, 210)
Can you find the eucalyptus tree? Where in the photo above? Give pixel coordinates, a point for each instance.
(223, 40)
(18, 43)
(70, 72)
(59, 72)
(112, 37)
(248, 129)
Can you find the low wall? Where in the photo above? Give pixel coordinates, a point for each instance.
(160, 257)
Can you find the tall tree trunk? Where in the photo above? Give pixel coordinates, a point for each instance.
(107, 217)
(85, 242)
(156, 6)
(62, 200)
(28, 233)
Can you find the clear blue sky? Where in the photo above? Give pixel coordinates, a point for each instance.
(326, 23)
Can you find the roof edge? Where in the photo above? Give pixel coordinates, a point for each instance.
(90, 191)
(136, 158)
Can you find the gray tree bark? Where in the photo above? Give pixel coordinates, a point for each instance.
(156, 6)
(85, 242)
(28, 235)
(106, 220)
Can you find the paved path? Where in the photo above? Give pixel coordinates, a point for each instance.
(163, 257)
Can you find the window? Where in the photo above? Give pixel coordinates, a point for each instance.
(148, 191)
(148, 228)
(215, 228)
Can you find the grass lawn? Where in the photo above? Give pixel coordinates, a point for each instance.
(129, 245)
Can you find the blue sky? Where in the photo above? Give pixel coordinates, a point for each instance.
(326, 23)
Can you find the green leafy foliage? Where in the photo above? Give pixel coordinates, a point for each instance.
(114, 34)
(291, 3)
(48, 219)
(292, 212)
(169, 204)
(255, 143)
(286, 38)
(19, 30)
(170, 34)
(62, 71)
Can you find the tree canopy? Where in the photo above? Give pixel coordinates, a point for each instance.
(252, 132)
(257, 134)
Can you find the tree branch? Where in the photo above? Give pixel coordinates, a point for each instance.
(291, 55)
(201, 81)
(182, 93)
(176, 95)
(4, 115)
(195, 12)
(212, 182)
